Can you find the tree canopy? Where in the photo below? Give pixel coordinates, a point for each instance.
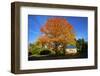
(57, 30)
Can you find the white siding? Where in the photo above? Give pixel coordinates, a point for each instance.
(71, 51)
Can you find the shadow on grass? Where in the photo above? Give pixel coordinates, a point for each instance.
(53, 57)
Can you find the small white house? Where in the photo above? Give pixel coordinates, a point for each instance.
(71, 50)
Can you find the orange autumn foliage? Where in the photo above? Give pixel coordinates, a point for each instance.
(57, 30)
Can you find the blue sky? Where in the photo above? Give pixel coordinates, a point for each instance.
(35, 22)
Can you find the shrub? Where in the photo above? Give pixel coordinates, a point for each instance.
(45, 52)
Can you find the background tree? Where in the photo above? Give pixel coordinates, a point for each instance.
(57, 32)
(82, 47)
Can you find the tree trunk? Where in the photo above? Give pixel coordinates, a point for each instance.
(64, 49)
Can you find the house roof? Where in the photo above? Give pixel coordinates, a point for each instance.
(70, 47)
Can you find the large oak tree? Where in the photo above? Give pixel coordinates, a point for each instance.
(57, 33)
